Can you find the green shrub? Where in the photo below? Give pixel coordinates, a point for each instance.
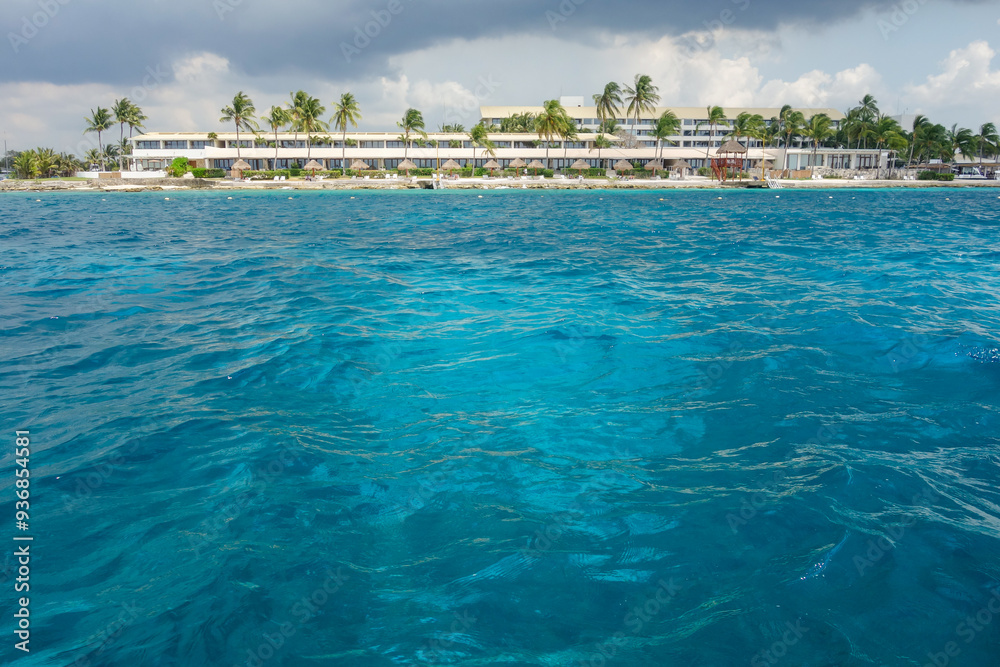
(704, 171)
(178, 167)
(934, 176)
(209, 173)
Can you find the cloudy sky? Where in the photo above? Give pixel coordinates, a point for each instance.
(182, 60)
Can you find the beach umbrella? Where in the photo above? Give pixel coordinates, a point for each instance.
(451, 165)
(579, 165)
(518, 163)
(491, 165)
(536, 165)
(654, 166)
(406, 165)
(313, 165)
(358, 165)
(623, 165)
(241, 166)
(680, 166)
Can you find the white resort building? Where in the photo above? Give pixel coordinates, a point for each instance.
(695, 144)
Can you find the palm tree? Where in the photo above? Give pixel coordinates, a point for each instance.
(792, 123)
(298, 100)
(99, 121)
(601, 142)
(277, 118)
(122, 110)
(347, 112)
(642, 98)
(987, 138)
(667, 125)
(887, 133)
(413, 121)
(608, 102)
(868, 114)
(92, 157)
(242, 113)
(26, 164)
(818, 129)
(135, 119)
(716, 115)
(920, 123)
(963, 140)
(478, 136)
(310, 121)
(551, 122)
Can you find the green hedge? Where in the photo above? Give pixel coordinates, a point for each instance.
(209, 173)
(934, 176)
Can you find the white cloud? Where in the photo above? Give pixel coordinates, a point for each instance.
(200, 66)
(821, 89)
(966, 74)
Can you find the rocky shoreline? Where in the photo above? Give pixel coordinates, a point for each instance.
(176, 184)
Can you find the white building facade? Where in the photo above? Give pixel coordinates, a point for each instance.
(696, 143)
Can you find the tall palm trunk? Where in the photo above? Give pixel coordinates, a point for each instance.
(343, 149)
(276, 144)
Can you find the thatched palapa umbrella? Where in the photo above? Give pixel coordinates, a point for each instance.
(518, 163)
(491, 165)
(580, 165)
(451, 165)
(358, 165)
(406, 165)
(240, 166)
(654, 166)
(536, 165)
(623, 165)
(313, 165)
(680, 166)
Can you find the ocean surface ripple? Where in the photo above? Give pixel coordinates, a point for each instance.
(524, 429)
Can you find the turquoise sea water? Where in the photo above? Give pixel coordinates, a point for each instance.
(522, 429)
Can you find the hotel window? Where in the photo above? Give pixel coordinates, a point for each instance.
(202, 144)
(372, 144)
(242, 144)
(501, 144)
(175, 144)
(148, 144)
(394, 144)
